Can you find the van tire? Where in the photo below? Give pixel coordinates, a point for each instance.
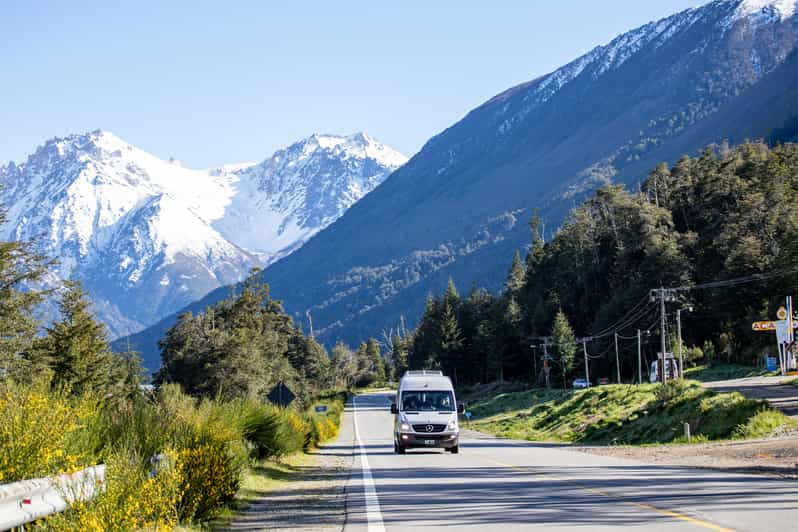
(455, 449)
(400, 449)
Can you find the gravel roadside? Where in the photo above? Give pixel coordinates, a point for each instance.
(772, 456)
(315, 500)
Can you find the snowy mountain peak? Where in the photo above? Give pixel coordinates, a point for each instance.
(713, 20)
(781, 9)
(303, 188)
(147, 236)
(357, 145)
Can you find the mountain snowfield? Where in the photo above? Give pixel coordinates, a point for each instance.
(147, 236)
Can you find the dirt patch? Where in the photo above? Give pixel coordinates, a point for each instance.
(773, 456)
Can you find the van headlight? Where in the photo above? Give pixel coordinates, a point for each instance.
(404, 426)
(452, 425)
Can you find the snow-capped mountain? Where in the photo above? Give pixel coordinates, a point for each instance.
(727, 70)
(147, 236)
(301, 189)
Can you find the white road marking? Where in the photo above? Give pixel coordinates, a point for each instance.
(373, 512)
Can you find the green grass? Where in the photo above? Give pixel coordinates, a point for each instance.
(722, 372)
(625, 414)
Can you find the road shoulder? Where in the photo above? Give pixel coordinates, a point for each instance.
(310, 497)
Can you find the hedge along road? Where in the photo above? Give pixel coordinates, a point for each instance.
(520, 485)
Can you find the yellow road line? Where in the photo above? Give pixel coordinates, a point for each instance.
(644, 506)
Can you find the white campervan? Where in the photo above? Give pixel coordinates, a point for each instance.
(426, 412)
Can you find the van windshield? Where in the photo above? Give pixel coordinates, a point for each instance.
(428, 401)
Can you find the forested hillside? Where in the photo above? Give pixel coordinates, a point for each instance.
(726, 214)
(458, 208)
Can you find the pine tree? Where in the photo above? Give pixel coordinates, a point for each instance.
(424, 350)
(399, 347)
(376, 363)
(451, 340)
(516, 275)
(20, 265)
(564, 345)
(78, 347)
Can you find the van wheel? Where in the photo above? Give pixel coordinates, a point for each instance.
(400, 449)
(455, 449)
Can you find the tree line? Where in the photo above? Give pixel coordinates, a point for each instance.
(725, 214)
(246, 344)
(240, 347)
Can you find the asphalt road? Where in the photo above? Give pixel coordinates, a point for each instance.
(496, 484)
(775, 390)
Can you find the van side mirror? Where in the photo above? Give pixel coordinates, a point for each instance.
(394, 409)
(460, 408)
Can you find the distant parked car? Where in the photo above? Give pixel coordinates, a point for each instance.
(581, 383)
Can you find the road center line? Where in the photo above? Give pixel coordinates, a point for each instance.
(373, 512)
(619, 498)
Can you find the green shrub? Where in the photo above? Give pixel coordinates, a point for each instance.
(762, 424)
(262, 429)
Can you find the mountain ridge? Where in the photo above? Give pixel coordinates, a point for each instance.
(147, 236)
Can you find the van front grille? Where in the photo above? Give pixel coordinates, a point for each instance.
(426, 428)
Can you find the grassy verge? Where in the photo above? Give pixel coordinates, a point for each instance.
(722, 372)
(625, 414)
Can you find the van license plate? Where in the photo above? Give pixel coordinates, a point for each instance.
(429, 442)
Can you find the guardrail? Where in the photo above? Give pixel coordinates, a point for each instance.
(28, 500)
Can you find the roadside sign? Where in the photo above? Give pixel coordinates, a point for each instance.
(761, 326)
(281, 395)
(321, 408)
(769, 326)
(782, 334)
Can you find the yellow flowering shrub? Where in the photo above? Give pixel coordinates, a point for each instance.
(42, 433)
(135, 498)
(209, 478)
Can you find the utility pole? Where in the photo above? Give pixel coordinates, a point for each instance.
(546, 368)
(679, 339)
(639, 360)
(587, 371)
(534, 363)
(663, 342)
(617, 360)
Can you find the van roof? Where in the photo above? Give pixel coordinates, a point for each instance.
(425, 381)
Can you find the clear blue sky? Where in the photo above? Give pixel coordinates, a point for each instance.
(217, 82)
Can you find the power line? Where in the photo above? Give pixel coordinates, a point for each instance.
(735, 281)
